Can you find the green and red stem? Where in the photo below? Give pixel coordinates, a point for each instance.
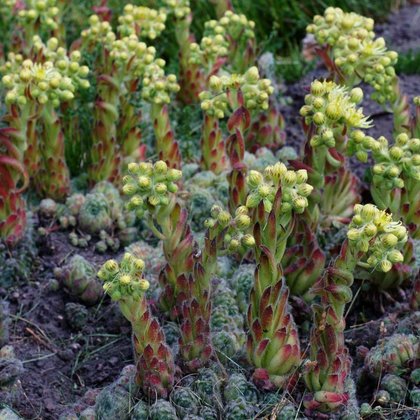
(213, 156)
(53, 178)
(155, 364)
(166, 145)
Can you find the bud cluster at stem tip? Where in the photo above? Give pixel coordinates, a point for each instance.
(263, 187)
(124, 280)
(235, 236)
(44, 11)
(141, 21)
(256, 92)
(374, 233)
(150, 185)
(332, 107)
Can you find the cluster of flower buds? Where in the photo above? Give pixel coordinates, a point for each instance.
(124, 279)
(396, 163)
(236, 229)
(99, 32)
(179, 8)
(45, 82)
(157, 86)
(131, 54)
(44, 11)
(150, 185)
(374, 233)
(219, 101)
(125, 283)
(141, 21)
(335, 23)
(68, 65)
(332, 108)
(293, 184)
(355, 50)
(211, 48)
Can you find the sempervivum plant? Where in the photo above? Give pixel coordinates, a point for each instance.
(78, 277)
(392, 355)
(34, 90)
(238, 96)
(273, 345)
(349, 47)
(332, 122)
(125, 284)
(373, 242)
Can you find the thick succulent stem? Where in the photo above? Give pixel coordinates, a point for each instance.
(238, 122)
(401, 110)
(222, 6)
(166, 145)
(124, 282)
(155, 364)
(53, 179)
(213, 156)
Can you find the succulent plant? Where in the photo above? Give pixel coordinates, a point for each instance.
(391, 355)
(78, 277)
(76, 315)
(396, 386)
(113, 402)
(185, 401)
(238, 387)
(95, 214)
(140, 411)
(125, 284)
(207, 387)
(162, 410)
(415, 397)
(239, 409)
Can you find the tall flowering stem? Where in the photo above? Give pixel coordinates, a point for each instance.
(224, 234)
(332, 123)
(395, 177)
(373, 243)
(124, 283)
(34, 91)
(273, 344)
(152, 189)
(157, 88)
(213, 155)
(347, 44)
(238, 96)
(120, 67)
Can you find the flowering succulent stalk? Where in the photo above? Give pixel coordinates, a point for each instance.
(124, 283)
(141, 21)
(213, 155)
(395, 178)
(152, 190)
(41, 17)
(34, 90)
(120, 69)
(273, 344)
(237, 95)
(350, 50)
(191, 75)
(332, 123)
(373, 243)
(156, 90)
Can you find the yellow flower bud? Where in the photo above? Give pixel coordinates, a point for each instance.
(353, 234)
(370, 230)
(125, 279)
(254, 179)
(395, 256)
(111, 266)
(161, 167)
(317, 88)
(385, 266)
(248, 241)
(389, 240)
(144, 284)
